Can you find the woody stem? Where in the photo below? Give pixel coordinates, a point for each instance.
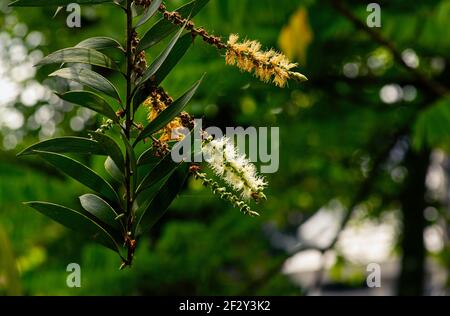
(128, 126)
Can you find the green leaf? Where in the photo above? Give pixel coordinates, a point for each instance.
(91, 101)
(162, 200)
(141, 94)
(164, 167)
(58, 9)
(76, 145)
(113, 170)
(111, 148)
(164, 28)
(79, 55)
(132, 157)
(77, 221)
(148, 157)
(169, 114)
(154, 67)
(100, 43)
(178, 51)
(88, 78)
(159, 172)
(45, 3)
(100, 209)
(81, 173)
(150, 12)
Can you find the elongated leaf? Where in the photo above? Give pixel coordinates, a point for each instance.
(79, 55)
(77, 221)
(111, 148)
(100, 209)
(61, 145)
(154, 67)
(100, 43)
(164, 167)
(143, 200)
(159, 172)
(169, 114)
(88, 78)
(141, 95)
(132, 157)
(164, 28)
(91, 101)
(178, 51)
(148, 157)
(45, 3)
(150, 12)
(58, 9)
(81, 173)
(113, 170)
(162, 200)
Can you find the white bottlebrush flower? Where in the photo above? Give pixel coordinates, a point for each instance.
(223, 192)
(227, 163)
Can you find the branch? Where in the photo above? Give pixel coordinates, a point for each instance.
(431, 85)
(130, 242)
(176, 19)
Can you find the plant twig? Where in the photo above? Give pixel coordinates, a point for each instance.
(176, 19)
(128, 126)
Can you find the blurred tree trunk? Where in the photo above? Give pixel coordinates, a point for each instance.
(412, 275)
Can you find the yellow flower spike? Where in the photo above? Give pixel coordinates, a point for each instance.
(266, 65)
(157, 102)
(234, 38)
